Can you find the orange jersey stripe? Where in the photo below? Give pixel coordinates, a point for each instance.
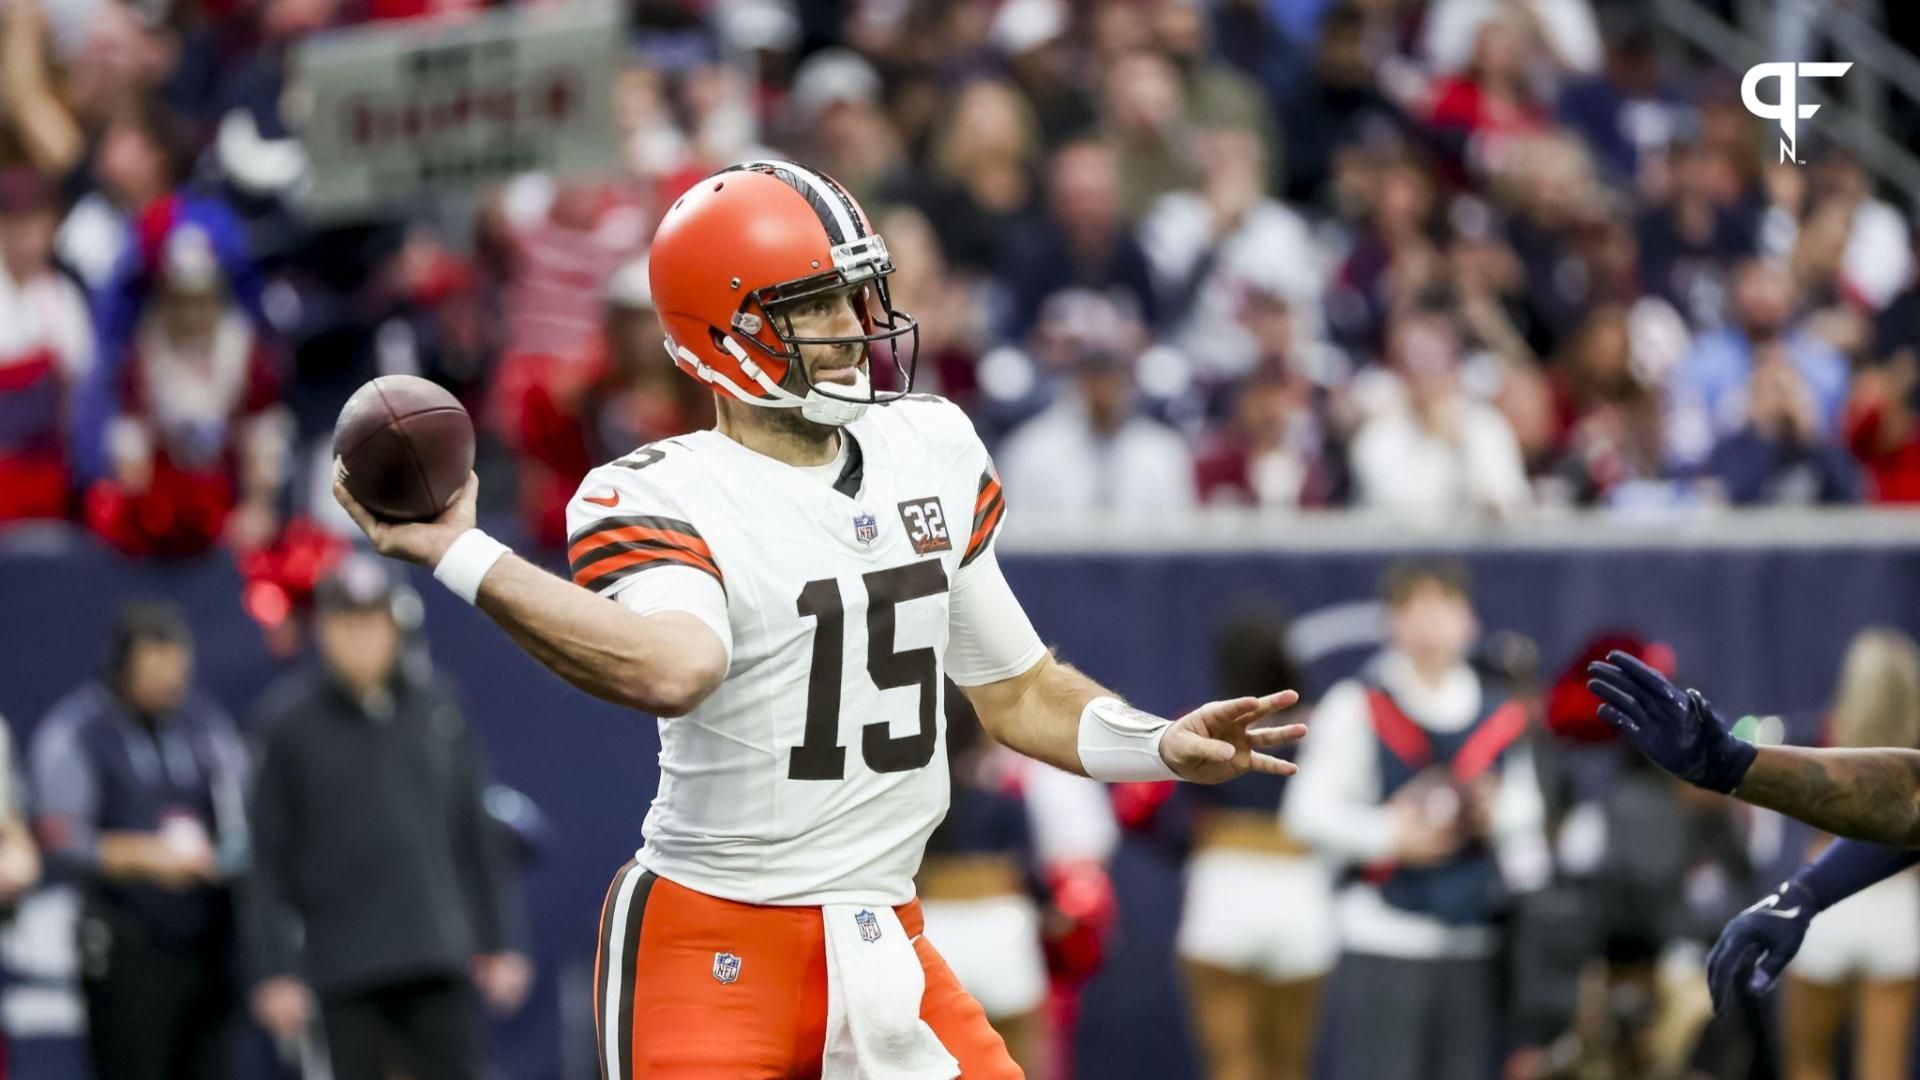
(985, 529)
(636, 534)
(613, 564)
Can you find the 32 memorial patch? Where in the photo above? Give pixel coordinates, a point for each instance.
(926, 525)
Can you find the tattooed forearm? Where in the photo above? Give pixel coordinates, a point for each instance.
(1864, 794)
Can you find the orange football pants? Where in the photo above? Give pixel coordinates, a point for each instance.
(692, 987)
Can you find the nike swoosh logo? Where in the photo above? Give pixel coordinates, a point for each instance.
(611, 499)
(1782, 913)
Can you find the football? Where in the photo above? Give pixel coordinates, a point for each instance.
(405, 446)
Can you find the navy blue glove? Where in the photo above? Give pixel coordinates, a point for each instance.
(1757, 944)
(1678, 730)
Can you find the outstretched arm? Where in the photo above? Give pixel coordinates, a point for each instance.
(1042, 714)
(1048, 710)
(663, 664)
(1871, 795)
(1759, 943)
(1864, 794)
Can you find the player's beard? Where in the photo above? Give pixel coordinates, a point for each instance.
(790, 422)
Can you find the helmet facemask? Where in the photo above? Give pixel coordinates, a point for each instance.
(863, 263)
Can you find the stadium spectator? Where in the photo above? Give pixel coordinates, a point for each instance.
(624, 393)
(942, 302)
(1631, 111)
(1332, 107)
(1876, 260)
(390, 955)
(1691, 239)
(1256, 936)
(1557, 203)
(1883, 430)
(1492, 99)
(1393, 256)
(1435, 453)
(1145, 126)
(1215, 92)
(1860, 961)
(1880, 425)
(142, 154)
(1279, 446)
(199, 444)
(1779, 456)
(562, 241)
(839, 125)
(980, 187)
(140, 783)
(1092, 449)
(1560, 33)
(46, 348)
(1417, 776)
(1609, 413)
(1210, 247)
(1707, 395)
(1084, 242)
(1031, 35)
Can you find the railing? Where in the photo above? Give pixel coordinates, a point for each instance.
(1037, 532)
(1881, 66)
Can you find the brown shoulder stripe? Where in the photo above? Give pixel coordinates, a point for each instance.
(615, 548)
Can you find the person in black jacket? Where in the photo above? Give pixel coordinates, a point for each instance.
(381, 894)
(139, 783)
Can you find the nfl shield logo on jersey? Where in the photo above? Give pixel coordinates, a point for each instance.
(726, 967)
(869, 926)
(865, 528)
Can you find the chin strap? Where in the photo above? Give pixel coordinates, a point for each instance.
(816, 406)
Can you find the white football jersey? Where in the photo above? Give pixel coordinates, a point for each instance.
(817, 769)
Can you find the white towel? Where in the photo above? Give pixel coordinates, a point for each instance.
(874, 987)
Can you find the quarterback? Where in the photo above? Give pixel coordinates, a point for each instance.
(789, 592)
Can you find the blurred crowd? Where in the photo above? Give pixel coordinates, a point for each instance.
(1444, 258)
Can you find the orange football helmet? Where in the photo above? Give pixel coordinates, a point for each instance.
(755, 236)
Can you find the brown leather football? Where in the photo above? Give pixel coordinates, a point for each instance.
(406, 446)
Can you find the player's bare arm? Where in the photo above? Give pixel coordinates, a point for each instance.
(1863, 794)
(1039, 713)
(663, 664)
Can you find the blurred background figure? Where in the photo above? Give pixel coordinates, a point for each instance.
(1610, 953)
(981, 887)
(1780, 455)
(1709, 389)
(1417, 780)
(621, 392)
(1212, 247)
(199, 444)
(1093, 448)
(396, 959)
(140, 797)
(1860, 961)
(46, 348)
(1084, 241)
(1433, 452)
(1257, 934)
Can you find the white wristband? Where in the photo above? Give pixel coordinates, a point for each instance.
(467, 561)
(1119, 743)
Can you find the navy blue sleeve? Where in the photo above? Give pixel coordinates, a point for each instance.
(1848, 866)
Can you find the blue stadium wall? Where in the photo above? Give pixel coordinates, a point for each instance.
(1763, 628)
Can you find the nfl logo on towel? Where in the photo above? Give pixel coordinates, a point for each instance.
(869, 926)
(865, 528)
(726, 967)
